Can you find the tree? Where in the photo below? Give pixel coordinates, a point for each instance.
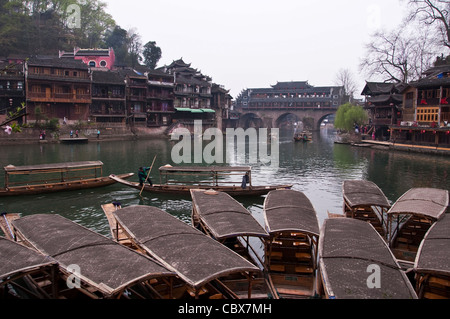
(349, 115)
(134, 45)
(346, 79)
(434, 13)
(152, 54)
(401, 55)
(117, 39)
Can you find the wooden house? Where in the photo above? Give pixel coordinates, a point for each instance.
(12, 86)
(108, 97)
(57, 88)
(426, 111)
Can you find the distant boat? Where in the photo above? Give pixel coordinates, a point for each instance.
(303, 137)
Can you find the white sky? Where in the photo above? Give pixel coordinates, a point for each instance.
(257, 43)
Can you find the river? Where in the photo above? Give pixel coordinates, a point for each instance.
(318, 169)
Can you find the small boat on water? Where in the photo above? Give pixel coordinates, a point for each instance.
(224, 219)
(180, 181)
(50, 178)
(356, 263)
(25, 273)
(411, 217)
(206, 269)
(303, 137)
(364, 200)
(104, 269)
(291, 250)
(432, 265)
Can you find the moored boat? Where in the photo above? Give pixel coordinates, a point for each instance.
(95, 266)
(181, 180)
(432, 265)
(303, 137)
(224, 219)
(356, 263)
(364, 200)
(58, 177)
(25, 273)
(410, 218)
(207, 269)
(291, 250)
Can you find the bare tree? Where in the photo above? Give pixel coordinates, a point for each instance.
(399, 56)
(345, 78)
(434, 13)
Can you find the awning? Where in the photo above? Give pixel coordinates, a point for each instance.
(208, 111)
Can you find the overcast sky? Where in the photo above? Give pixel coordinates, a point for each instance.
(257, 43)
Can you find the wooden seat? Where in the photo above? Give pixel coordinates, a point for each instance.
(304, 270)
(278, 268)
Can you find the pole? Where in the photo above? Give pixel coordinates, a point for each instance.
(148, 175)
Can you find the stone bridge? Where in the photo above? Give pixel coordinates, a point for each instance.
(311, 118)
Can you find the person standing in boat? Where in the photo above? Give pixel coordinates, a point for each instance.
(142, 174)
(245, 180)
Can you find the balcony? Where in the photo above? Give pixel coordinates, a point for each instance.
(47, 97)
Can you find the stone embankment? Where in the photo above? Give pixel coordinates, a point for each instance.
(108, 132)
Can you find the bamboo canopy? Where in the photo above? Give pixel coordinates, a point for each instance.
(364, 193)
(434, 253)
(43, 168)
(195, 257)
(428, 202)
(347, 248)
(289, 210)
(224, 216)
(18, 260)
(105, 265)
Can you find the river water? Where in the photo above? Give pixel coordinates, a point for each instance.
(318, 169)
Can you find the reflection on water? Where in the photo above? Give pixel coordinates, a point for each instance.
(318, 169)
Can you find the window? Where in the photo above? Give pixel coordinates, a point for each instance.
(103, 63)
(92, 64)
(427, 114)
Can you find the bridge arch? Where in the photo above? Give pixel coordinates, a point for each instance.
(251, 120)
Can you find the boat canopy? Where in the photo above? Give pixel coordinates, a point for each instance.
(18, 260)
(104, 264)
(224, 216)
(195, 257)
(428, 202)
(290, 210)
(434, 253)
(347, 249)
(43, 168)
(204, 169)
(364, 193)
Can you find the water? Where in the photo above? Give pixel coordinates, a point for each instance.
(318, 169)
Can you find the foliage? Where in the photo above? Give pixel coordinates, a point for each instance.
(152, 54)
(349, 115)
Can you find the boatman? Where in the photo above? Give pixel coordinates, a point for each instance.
(142, 174)
(245, 181)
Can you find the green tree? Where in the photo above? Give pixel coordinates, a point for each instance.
(349, 115)
(152, 54)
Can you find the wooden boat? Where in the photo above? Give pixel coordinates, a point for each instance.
(351, 256)
(207, 269)
(432, 265)
(180, 181)
(291, 250)
(303, 137)
(411, 217)
(224, 219)
(364, 200)
(58, 177)
(25, 273)
(105, 268)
